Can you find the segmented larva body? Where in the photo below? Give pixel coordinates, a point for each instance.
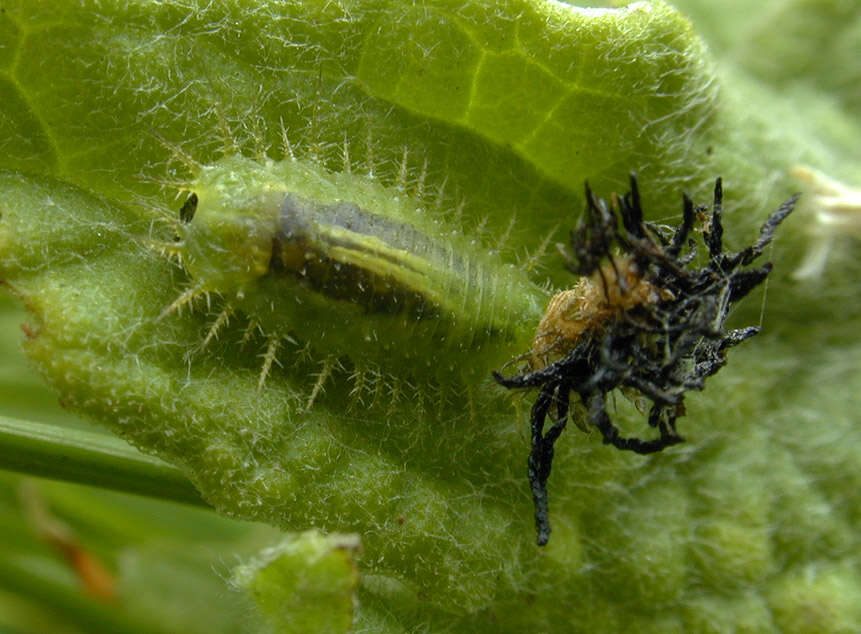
(347, 266)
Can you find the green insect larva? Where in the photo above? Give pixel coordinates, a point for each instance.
(349, 267)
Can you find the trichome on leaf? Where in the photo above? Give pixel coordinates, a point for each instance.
(643, 318)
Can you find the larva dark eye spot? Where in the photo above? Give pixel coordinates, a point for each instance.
(643, 318)
(186, 212)
(356, 272)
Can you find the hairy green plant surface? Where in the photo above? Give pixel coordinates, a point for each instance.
(488, 116)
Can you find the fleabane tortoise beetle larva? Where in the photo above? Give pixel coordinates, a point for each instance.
(349, 269)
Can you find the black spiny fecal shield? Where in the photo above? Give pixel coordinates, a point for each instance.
(659, 349)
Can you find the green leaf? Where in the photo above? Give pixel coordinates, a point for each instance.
(499, 111)
(307, 583)
(569, 90)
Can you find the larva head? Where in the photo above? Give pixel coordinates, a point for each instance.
(228, 222)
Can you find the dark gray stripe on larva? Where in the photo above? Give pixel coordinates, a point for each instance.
(298, 218)
(300, 249)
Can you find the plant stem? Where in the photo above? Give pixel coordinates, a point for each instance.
(74, 455)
